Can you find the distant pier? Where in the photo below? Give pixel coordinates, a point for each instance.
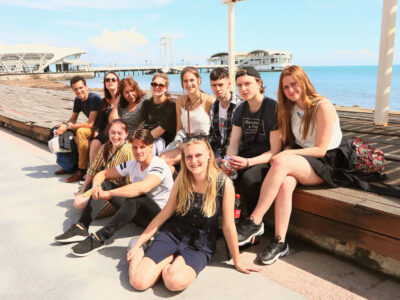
(101, 71)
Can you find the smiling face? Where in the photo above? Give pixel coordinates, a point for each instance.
(81, 90)
(190, 83)
(248, 87)
(220, 88)
(291, 88)
(141, 151)
(111, 81)
(129, 93)
(159, 86)
(117, 134)
(197, 157)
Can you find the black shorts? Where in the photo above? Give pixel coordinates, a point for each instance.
(166, 244)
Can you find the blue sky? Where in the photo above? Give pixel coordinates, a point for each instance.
(317, 32)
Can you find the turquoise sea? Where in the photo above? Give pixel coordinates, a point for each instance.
(343, 85)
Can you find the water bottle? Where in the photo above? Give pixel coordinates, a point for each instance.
(234, 173)
(237, 208)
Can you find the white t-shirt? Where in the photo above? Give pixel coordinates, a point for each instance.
(157, 167)
(222, 121)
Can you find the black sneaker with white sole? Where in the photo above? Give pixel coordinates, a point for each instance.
(247, 229)
(73, 234)
(87, 246)
(273, 251)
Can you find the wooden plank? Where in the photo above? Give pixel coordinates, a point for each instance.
(362, 238)
(353, 215)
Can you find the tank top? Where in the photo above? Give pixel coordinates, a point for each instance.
(309, 141)
(199, 120)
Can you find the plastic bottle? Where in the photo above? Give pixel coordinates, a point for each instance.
(234, 173)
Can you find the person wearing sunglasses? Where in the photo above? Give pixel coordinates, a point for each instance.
(192, 114)
(110, 87)
(159, 113)
(128, 104)
(187, 225)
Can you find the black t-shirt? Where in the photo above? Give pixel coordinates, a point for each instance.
(249, 122)
(163, 115)
(92, 103)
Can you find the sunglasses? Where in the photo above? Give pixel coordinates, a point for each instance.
(195, 137)
(110, 79)
(155, 84)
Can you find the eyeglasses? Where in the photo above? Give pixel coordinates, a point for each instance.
(111, 79)
(160, 85)
(195, 137)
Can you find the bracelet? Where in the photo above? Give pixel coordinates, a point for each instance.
(248, 162)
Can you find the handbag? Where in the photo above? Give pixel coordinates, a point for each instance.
(368, 158)
(60, 143)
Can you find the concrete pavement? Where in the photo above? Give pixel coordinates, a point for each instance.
(35, 206)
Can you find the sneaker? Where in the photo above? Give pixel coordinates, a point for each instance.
(247, 229)
(74, 234)
(87, 246)
(273, 251)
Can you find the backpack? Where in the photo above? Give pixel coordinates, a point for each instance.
(368, 158)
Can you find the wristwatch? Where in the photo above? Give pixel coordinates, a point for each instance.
(68, 127)
(248, 162)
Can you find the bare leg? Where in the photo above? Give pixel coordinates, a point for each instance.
(94, 149)
(147, 272)
(288, 165)
(283, 206)
(178, 276)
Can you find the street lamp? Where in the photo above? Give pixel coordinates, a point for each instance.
(231, 40)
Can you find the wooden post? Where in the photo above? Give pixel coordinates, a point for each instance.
(386, 52)
(231, 42)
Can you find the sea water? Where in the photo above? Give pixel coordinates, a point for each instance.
(343, 85)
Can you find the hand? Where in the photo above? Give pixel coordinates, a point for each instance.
(238, 162)
(226, 170)
(106, 195)
(134, 252)
(61, 129)
(96, 192)
(244, 268)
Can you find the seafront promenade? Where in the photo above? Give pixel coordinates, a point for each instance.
(36, 206)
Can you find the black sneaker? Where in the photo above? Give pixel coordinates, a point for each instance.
(273, 251)
(74, 234)
(247, 229)
(87, 246)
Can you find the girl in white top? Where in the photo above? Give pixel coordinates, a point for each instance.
(309, 128)
(195, 104)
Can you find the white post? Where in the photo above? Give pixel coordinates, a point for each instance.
(231, 55)
(386, 52)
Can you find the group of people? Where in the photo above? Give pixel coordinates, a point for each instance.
(138, 146)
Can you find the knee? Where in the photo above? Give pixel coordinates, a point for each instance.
(287, 186)
(278, 163)
(174, 281)
(80, 132)
(79, 205)
(139, 282)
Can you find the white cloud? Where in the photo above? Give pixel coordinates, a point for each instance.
(99, 4)
(123, 41)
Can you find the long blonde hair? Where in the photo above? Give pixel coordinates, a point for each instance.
(309, 98)
(185, 183)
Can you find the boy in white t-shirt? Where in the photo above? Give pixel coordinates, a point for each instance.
(140, 201)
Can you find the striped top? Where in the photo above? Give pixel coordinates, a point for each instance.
(132, 118)
(124, 154)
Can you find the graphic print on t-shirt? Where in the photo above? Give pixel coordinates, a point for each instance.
(250, 126)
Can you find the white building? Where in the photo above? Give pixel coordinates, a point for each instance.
(261, 60)
(25, 58)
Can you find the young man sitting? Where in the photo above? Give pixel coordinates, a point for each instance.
(221, 111)
(141, 200)
(88, 103)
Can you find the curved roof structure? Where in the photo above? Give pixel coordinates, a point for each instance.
(25, 58)
(270, 52)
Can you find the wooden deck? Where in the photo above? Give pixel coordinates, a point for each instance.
(357, 224)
